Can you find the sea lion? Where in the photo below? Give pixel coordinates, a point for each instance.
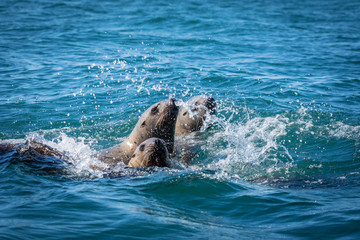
(36, 155)
(192, 115)
(157, 121)
(150, 153)
(32, 149)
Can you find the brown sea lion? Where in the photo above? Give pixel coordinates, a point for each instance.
(157, 121)
(37, 155)
(192, 115)
(32, 148)
(150, 153)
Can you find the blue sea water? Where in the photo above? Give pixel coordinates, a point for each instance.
(281, 161)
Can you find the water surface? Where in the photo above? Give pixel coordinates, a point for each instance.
(282, 159)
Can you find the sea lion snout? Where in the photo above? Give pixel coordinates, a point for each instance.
(172, 101)
(169, 112)
(172, 104)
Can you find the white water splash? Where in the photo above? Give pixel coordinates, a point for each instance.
(81, 155)
(342, 130)
(244, 148)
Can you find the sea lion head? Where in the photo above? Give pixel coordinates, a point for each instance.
(157, 121)
(192, 115)
(150, 153)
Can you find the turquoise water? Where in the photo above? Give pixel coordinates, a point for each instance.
(281, 161)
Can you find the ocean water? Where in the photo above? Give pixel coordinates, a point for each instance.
(281, 161)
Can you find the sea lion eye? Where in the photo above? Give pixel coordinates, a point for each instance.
(184, 113)
(142, 147)
(154, 110)
(133, 156)
(143, 124)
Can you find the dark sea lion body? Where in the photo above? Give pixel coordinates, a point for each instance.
(36, 155)
(32, 148)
